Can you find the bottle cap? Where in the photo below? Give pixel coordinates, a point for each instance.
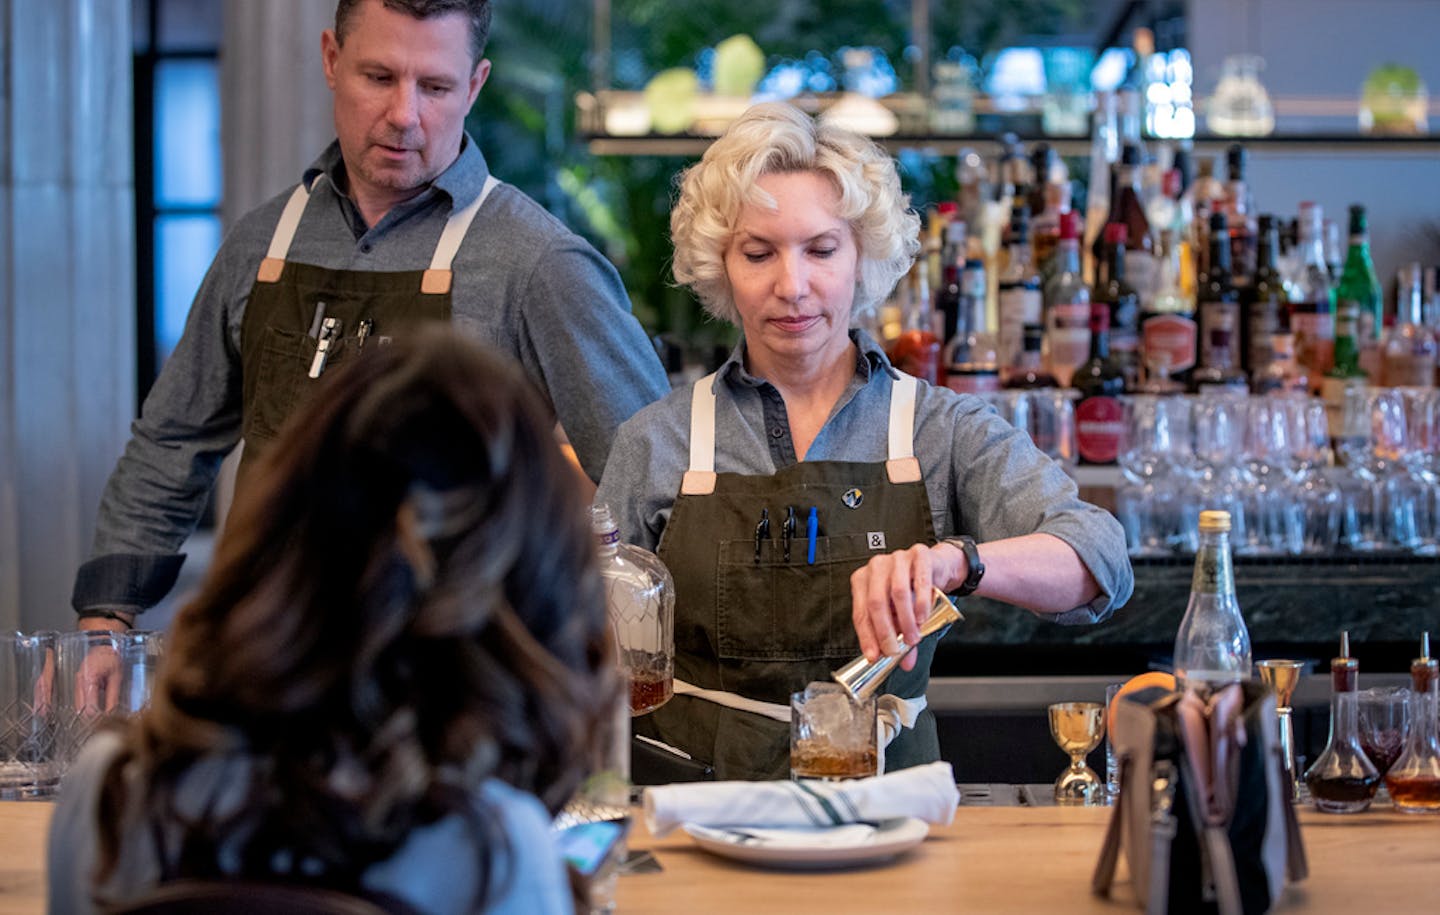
(1212, 522)
(1116, 233)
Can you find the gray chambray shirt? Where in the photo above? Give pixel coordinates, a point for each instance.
(984, 477)
(524, 284)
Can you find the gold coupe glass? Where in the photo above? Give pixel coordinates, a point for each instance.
(1077, 727)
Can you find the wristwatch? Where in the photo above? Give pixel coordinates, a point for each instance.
(974, 568)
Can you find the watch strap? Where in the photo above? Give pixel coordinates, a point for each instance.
(974, 568)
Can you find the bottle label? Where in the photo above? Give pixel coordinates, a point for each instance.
(1314, 337)
(1347, 318)
(1069, 336)
(1099, 424)
(1140, 272)
(1173, 335)
(1262, 323)
(967, 381)
(1218, 316)
(1214, 573)
(1019, 305)
(1409, 369)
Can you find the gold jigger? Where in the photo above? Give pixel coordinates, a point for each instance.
(1282, 677)
(862, 679)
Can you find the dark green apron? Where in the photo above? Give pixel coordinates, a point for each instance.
(281, 329)
(764, 628)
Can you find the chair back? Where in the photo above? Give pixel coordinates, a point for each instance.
(247, 897)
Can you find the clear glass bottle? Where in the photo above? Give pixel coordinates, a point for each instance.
(1212, 647)
(1414, 779)
(1343, 779)
(1312, 309)
(1122, 300)
(1020, 299)
(1408, 359)
(640, 598)
(972, 365)
(1167, 328)
(1283, 374)
(917, 350)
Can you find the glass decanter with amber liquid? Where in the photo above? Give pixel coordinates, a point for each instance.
(1414, 780)
(1343, 779)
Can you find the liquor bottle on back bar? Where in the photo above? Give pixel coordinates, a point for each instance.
(917, 350)
(1167, 326)
(1312, 309)
(1358, 287)
(1263, 303)
(1028, 371)
(1212, 647)
(1098, 415)
(972, 365)
(1067, 305)
(1239, 220)
(1121, 300)
(1408, 359)
(1020, 299)
(1219, 310)
(1128, 209)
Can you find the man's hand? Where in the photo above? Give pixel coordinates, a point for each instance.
(97, 682)
(891, 595)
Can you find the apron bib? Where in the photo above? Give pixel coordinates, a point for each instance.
(754, 621)
(291, 304)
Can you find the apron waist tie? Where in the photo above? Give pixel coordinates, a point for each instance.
(892, 713)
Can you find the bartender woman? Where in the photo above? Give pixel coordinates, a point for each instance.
(807, 495)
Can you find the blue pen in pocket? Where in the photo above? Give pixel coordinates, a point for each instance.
(812, 525)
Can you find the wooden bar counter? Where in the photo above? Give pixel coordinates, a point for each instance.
(991, 859)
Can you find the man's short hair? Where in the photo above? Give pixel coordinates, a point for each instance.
(477, 11)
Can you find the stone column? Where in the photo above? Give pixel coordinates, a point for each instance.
(275, 114)
(67, 290)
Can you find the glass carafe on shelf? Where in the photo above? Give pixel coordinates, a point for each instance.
(1212, 647)
(1343, 779)
(640, 598)
(1240, 106)
(1414, 779)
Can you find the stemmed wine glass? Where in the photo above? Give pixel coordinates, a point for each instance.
(1078, 727)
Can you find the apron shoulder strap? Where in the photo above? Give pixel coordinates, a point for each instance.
(902, 466)
(274, 263)
(436, 280)
(699, 479)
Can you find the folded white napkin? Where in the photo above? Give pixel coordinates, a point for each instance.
(927, 792)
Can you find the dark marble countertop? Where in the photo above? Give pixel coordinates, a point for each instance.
(1293, 608)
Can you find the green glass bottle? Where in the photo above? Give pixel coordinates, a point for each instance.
(1357, 297)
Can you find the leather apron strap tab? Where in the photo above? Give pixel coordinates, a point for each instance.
(437, 279)
(699, 479)
(274, 263)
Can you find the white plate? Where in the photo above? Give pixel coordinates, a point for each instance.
(832, 846)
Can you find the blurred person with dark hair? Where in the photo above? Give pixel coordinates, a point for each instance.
(397, 224)
(395, 671)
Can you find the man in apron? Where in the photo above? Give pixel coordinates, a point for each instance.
(398, 223)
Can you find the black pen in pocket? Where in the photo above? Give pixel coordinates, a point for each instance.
(787, 530)
(762, 532)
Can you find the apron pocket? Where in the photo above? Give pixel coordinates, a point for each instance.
(282, 379)
(795, 611)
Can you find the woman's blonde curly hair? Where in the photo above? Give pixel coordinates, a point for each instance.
(774, 138)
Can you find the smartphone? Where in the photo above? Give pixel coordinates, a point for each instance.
(586, 846)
